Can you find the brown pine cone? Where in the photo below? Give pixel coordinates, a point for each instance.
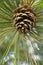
(24, 18)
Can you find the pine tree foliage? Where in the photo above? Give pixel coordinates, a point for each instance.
(16, 46)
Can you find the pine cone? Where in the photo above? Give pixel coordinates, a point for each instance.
(24, 18)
